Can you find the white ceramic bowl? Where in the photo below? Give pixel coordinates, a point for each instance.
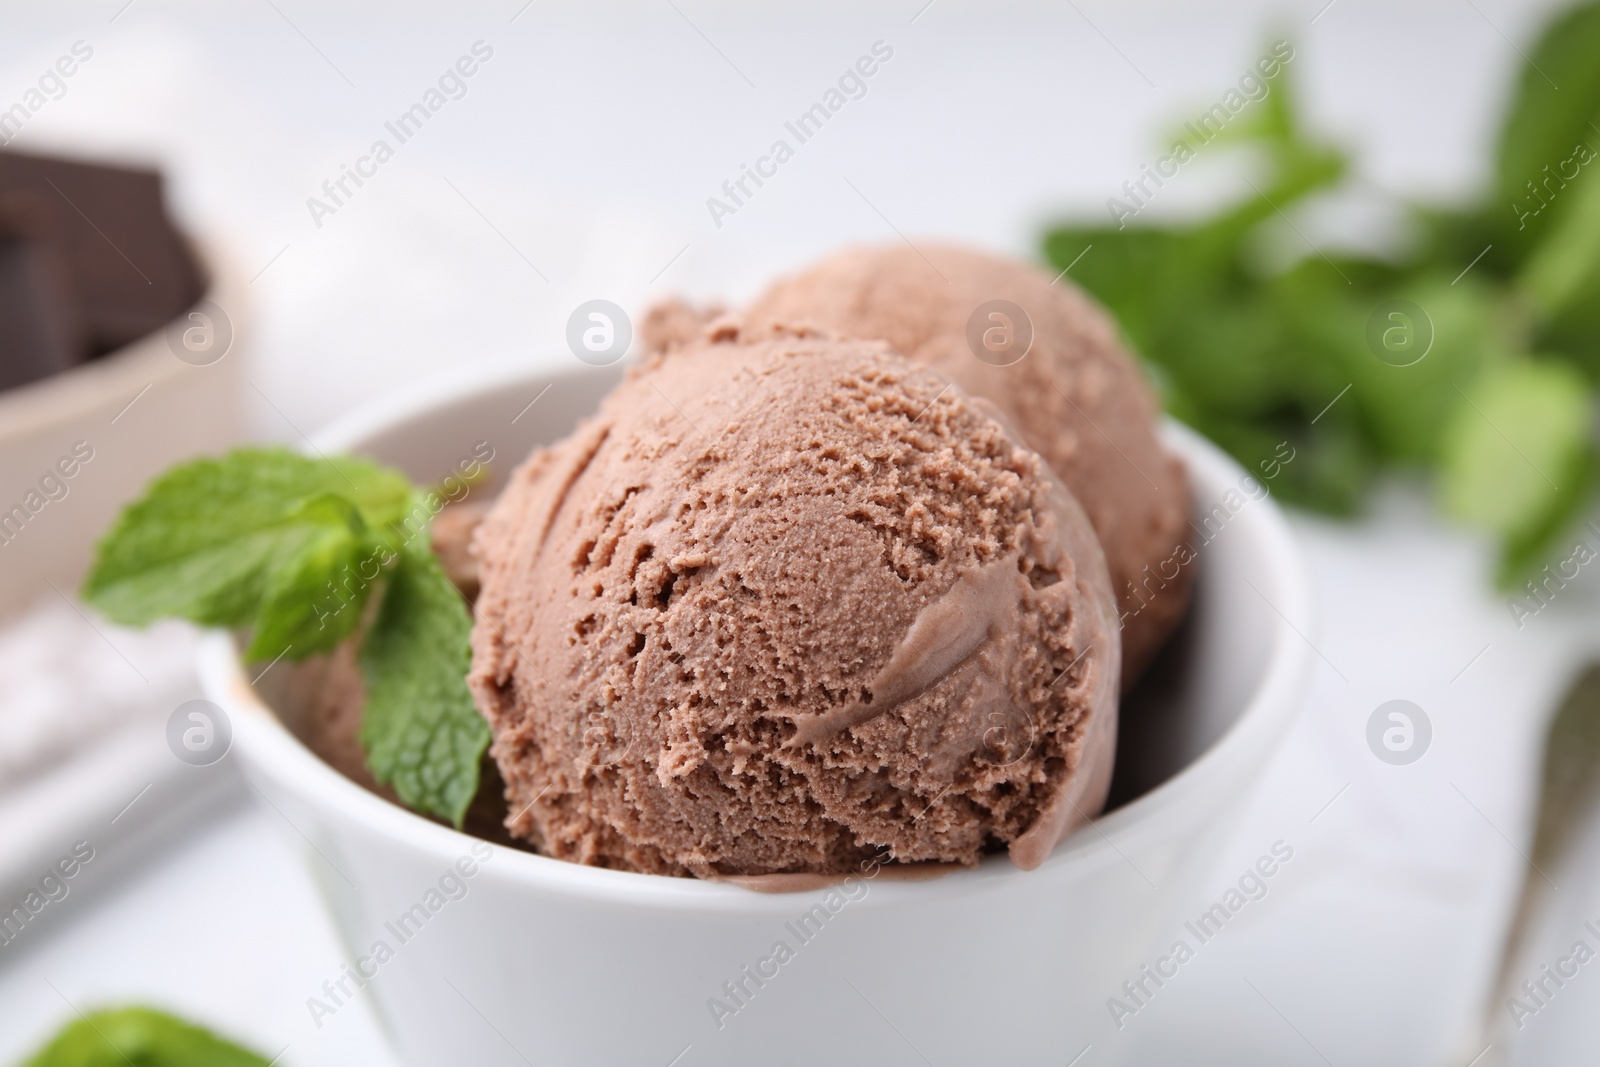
(541, 961)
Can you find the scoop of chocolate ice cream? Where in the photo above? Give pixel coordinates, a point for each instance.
(673, 324)
(784, 606)
(1074, 395)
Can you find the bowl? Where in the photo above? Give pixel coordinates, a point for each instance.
(471, 952)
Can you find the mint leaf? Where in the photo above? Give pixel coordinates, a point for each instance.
(1562, 268)
(142, 1036)
(314, 600)
(1542, 127)
(1515, 455)
(1525, 553)
(250, 540)
(1405, 409)
(421, 730)
(291, 548)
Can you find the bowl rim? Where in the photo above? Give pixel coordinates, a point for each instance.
(269, 749)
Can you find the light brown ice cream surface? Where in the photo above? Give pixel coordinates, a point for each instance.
(784, 607)
(1075, 396)
(450, 535)
(674, 324)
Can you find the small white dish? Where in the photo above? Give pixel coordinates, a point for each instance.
(542, 961)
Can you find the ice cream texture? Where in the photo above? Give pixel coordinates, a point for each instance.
(786, 605)
(1075, 396)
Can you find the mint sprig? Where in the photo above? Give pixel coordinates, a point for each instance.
(291, 549)
(1257, 336)
(117, 1037)
(1524, 492)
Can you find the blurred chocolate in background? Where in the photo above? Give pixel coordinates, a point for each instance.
(89, 262)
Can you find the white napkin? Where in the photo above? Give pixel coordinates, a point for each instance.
(69, 678)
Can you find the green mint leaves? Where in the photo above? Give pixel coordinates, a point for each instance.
(291, 549)
(250, 540)
(140, 1036)
(1260, 329)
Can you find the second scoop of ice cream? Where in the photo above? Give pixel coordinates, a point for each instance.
(783, 607)
(1073, 393)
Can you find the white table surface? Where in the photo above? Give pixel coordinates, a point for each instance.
(586, 148)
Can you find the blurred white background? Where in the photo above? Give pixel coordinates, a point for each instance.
(578, 165)
(593, 137)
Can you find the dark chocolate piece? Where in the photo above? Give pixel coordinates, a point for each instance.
(131, 271)
(40, 329)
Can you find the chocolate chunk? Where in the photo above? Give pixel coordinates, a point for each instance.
(40, 330)
(131, 271)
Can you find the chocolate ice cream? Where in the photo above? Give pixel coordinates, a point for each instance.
(1075, 396)
(451, 538)
(783, 606)
(673, 324)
